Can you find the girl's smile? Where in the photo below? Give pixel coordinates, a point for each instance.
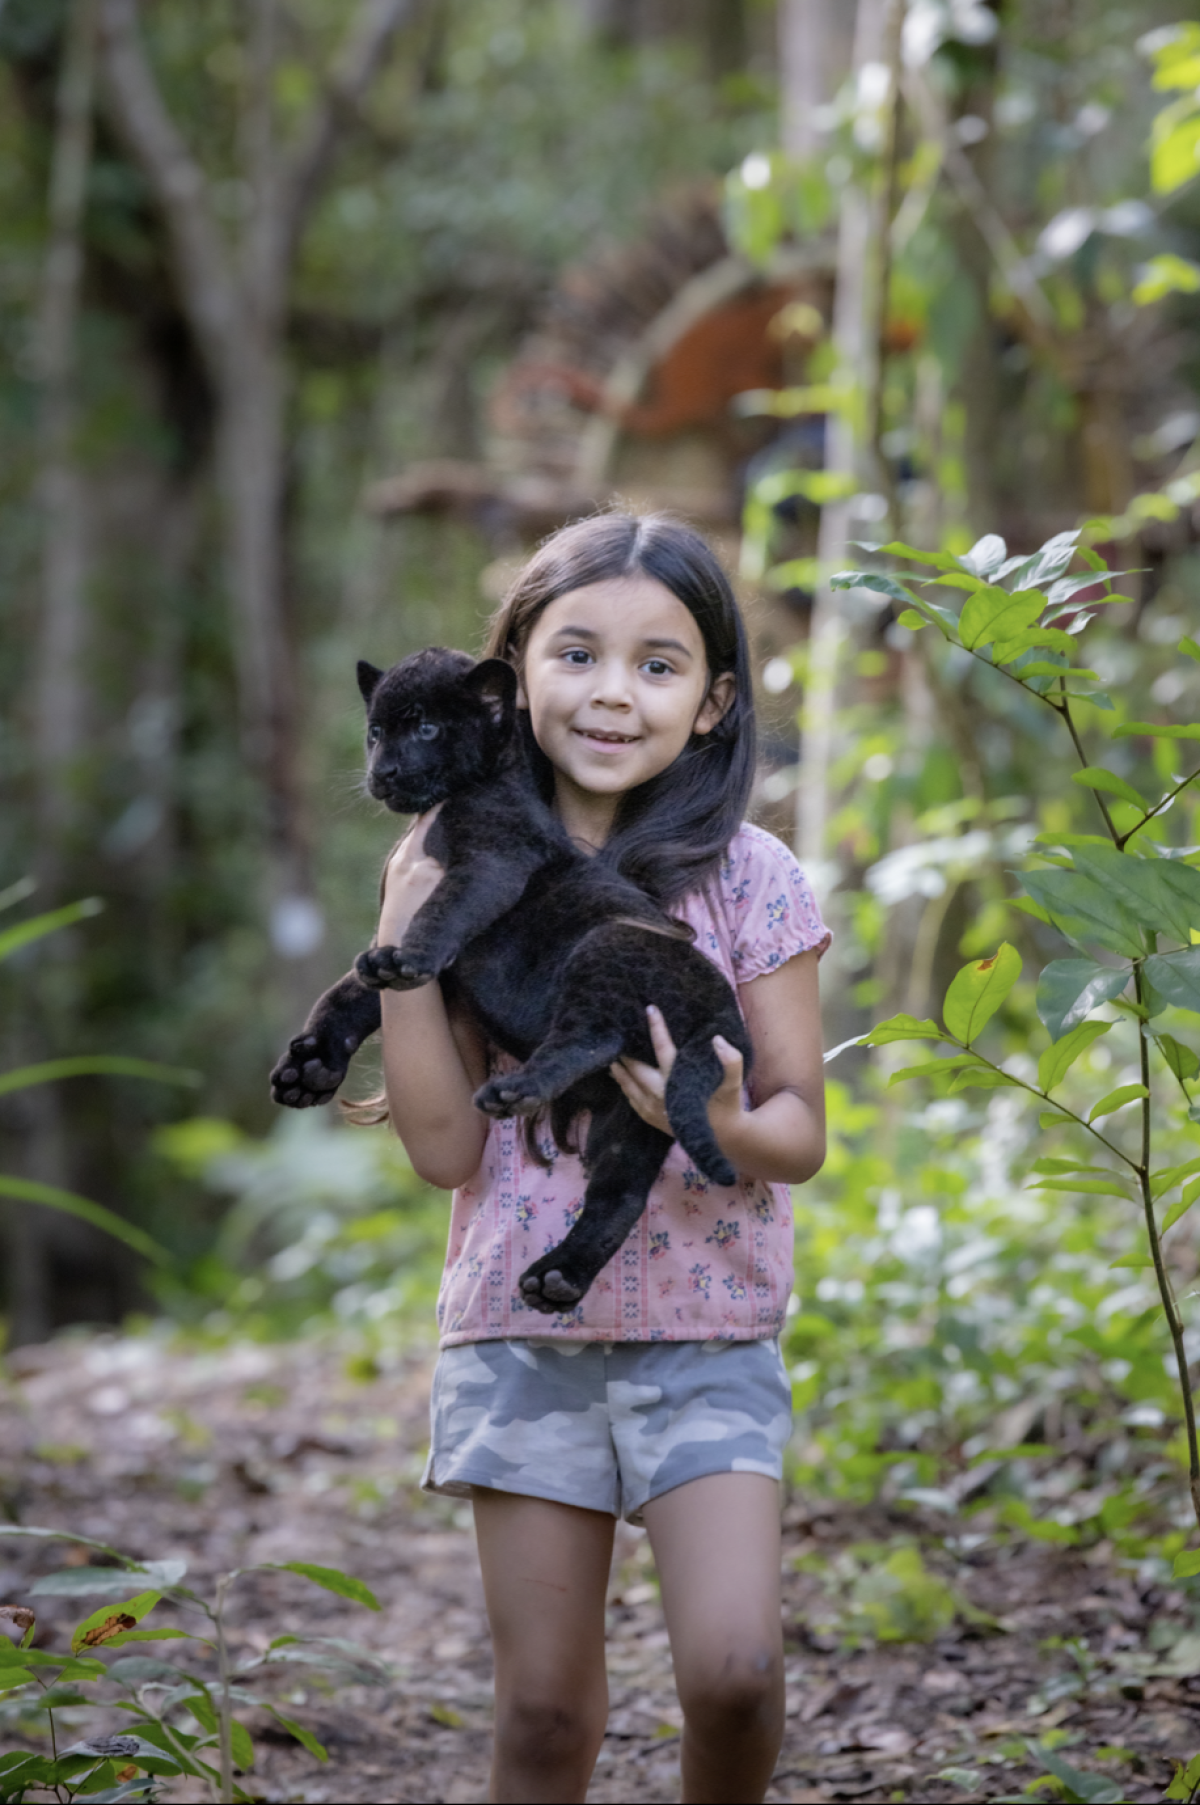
(616, 682)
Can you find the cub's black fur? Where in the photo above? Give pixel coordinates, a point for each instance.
(554, 953)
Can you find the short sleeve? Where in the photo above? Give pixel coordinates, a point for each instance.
(768, 904)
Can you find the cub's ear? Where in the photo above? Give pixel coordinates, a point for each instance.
(368, 680)
(496, 683)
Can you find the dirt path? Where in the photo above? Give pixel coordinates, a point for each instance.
(282, 1453)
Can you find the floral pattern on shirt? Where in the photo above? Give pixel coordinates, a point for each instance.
(705, 1261)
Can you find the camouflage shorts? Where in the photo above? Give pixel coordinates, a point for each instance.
(604, 1425)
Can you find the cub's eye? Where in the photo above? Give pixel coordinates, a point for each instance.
(374, 734)
(428, 730)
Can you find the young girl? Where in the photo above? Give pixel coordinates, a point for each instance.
(662, 1396)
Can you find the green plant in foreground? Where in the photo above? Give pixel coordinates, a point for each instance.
(31, 1190)
(158, 1696)
(1121, 894)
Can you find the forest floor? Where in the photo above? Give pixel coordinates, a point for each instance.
(249, 1453)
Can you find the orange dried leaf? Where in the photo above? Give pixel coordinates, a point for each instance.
(116, 1625)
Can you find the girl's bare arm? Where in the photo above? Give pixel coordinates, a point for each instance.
(781, 1137)
(433, 1061)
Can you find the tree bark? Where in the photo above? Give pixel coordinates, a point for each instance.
(856, 350)
(815, 56)
(59, 689)
(234, 295)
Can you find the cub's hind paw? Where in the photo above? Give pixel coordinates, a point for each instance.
(549, 1291)
(509, 1094)
(308, 1074)
(385, 968)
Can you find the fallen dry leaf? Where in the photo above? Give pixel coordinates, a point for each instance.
(112, 1626)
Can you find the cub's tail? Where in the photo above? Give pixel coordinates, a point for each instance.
(694, 1077)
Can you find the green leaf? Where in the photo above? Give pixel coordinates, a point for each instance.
(1162, 894)
(1176, 977)
(243, 1745)
(12, 939)
(1124, 1093)
(1167, 1177)
(992, 613)
(1181, 1206)
(912, 620)
(984, 1078)
(137, 1608)
(105, 1064)
(1095, 777)
(985, 556)
(1189, 648)
(1157, 730)
(302, 1735)
(31, 1190)
(333, 1580)
(1051, 559)
(1058, 1058)
(1187, 1564)
(901, 1027)
(1097, 1187)
(933, 1068)
(1069, 989)
(1165, 274)
(1085, 910)
(1182, 1061)
(978, 990)
(1089, 1789)
(897, 549)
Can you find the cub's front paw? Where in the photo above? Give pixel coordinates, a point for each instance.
(310, 1071)
(509, 1094)
(550, 1284)
(386, 968)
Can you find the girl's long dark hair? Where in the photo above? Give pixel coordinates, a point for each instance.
(670, 833)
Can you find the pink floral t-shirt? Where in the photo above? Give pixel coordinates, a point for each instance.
(705, 1261)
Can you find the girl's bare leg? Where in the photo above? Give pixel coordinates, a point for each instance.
(716, 1544)
(545, 1578)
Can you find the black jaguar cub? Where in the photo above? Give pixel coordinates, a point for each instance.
(553, 952)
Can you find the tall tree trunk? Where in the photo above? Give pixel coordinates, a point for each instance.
(815, 55)
(59, 691)
(855, 307)
(234, 296)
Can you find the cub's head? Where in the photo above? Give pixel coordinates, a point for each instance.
(436, 722)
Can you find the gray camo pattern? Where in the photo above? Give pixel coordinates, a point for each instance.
(604, 1425)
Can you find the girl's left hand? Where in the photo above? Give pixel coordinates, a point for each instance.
(645, 1085)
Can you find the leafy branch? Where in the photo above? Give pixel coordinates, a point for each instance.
(1116, 892)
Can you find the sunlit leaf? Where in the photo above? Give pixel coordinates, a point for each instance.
(1182, 1206)
(1124, 1093)
(1058, 1058)
(1094, 777)
(933, 1068)
(984, 1078)
(985, 556)
(901, 1027)
(1099, 1187)
(1182, 1061)
(978, 990)
(993, 613)
(1156, 730)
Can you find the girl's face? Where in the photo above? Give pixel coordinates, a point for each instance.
(616, 682)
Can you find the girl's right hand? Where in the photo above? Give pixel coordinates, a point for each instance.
(410, 880)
